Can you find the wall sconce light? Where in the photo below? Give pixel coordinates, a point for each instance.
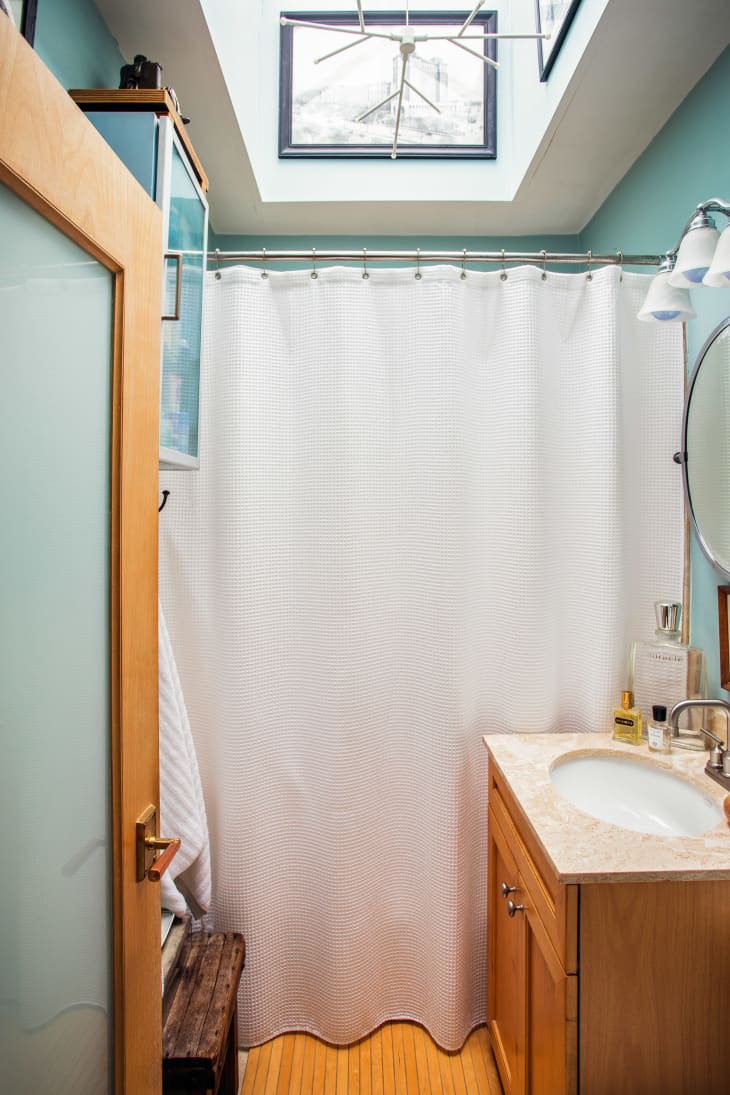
(665, 303)
(702, 257)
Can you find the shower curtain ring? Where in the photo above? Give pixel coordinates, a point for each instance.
(463, 267)
(544, 262)
(589, 275)
(418, 264)
(503, 275)
(365, 274)
(217, 272)
(620, 265)
(314, 273)
(264, 272)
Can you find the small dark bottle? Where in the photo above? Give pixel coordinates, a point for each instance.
(658, 732)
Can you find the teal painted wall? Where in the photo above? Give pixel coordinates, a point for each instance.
(687, 162)
(400, 243)
(74, 42)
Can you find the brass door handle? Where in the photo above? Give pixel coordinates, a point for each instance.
(150, 865)
(160, 864)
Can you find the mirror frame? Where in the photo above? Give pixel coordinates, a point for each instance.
(723, 596)
(681, 457)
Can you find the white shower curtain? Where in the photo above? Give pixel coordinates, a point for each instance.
(427, 509)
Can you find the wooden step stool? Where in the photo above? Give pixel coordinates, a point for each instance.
(199, 1035)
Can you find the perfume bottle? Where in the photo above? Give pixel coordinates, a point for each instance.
(666, 671)
(658, 732)
(627, 720)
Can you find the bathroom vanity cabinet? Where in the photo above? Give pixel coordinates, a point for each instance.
(532, 954)
(146, 132)
(601, 987)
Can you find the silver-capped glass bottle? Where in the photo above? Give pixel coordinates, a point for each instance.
(666, 671)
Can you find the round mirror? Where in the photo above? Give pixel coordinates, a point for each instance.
(706, 456)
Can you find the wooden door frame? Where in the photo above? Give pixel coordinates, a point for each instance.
(53, 158)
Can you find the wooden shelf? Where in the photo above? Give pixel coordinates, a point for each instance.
(155, 99)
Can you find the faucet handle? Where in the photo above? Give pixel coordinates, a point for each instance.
(717, 752)
(713, 737)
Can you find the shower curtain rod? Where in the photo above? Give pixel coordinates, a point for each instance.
(457, 257)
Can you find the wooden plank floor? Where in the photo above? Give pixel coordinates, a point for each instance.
(397, 1059)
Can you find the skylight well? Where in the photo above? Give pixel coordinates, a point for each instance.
(390, 84)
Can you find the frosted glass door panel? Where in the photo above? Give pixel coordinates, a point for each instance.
(181, 338)
(55, 897)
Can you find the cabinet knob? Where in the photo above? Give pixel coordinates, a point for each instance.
(512, 908)
(506, 890)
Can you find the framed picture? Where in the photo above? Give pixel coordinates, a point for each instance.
(22, 13)
(552, 17)
(723, 615)
(338, 97)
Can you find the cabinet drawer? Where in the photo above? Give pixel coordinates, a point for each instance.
(556, 904)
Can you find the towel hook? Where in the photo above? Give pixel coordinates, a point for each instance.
(165, 496)
(503, 275)
(544, 265)
(264, 271)
(620, 265)
(217, 272)
(589, 275)
(463, 266)
(365, 274)
(418, 264)
(314, 273)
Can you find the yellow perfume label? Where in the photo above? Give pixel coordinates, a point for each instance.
(627, 726)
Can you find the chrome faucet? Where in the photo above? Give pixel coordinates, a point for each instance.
(718, 765)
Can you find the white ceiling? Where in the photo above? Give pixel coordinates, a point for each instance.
(625, 67)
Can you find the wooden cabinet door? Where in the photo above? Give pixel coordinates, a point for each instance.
(532, 1002)
(551, 1019)
(57, 169)
(506, 958)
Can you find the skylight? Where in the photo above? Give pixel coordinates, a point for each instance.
(563, 142)
(423, 85)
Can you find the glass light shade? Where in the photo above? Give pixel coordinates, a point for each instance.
(695, 256)
(719, 273)
(665, 303)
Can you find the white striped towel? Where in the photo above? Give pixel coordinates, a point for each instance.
(182, 809)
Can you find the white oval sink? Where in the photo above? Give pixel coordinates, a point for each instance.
(634, 794)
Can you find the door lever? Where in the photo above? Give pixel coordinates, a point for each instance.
(150, 865)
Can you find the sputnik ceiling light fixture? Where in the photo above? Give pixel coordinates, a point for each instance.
(407, 41)
(702, 257)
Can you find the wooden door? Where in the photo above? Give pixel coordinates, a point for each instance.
(552, 1015)
(53, 160)
(506, 955)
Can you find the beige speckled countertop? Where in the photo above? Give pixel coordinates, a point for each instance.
(583, 849)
